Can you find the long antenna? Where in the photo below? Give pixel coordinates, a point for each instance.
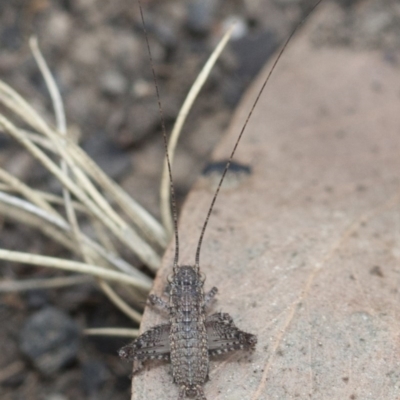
(197, 260)
(173, 200)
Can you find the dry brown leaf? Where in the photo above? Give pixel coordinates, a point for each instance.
(306, 251)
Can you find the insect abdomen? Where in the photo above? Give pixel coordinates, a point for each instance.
(188, 340)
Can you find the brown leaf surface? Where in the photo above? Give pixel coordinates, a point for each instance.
(305, 252)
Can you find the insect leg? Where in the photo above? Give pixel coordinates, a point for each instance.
(158, 302)
(200, 394)
(210, 295)
(223, 335)
(138, 364)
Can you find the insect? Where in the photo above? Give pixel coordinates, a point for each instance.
(191, 337)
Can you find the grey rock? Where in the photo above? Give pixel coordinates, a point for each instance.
(50, 340)
(111, 159)
(113, 83)
(200, 15)
(95, 374)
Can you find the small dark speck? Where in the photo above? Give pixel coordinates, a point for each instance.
(254, 304)
(328, 189)
(279, 353)
(361, 188)
(235, 175)
(377, 271)
(376, 87)
(340, 134)
(266, 348)
(353, 397)
(375, 150)
(219, 166)
(345, 379)
(352, 277)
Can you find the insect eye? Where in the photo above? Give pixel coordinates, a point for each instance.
(170, 278)
(202, 277)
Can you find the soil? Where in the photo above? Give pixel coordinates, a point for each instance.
(97, 52)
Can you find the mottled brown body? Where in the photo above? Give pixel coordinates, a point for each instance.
(188, 335)
(190, 338)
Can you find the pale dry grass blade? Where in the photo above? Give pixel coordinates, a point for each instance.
(27, 192)
(51, 86)
(122, 231)
(100, 206)
(139, 216)
(165, 194)
(58, 230)
(118, 302)
(32, 209)
(74, 266)
(150, 227)
(57, 200)
(11, 209)
(125, 332)
(9, 286)
(61, 126)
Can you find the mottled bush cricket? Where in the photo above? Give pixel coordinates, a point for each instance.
(191, 337)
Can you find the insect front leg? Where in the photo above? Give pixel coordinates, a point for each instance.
(210, 295)
(150, 345)
(223, 335)
(159, 302)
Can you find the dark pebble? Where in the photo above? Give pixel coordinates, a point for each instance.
(200, 15)
(111, 159)
(37, 298)
(50, 340)
(218, 167)
(251, 53)
(94, 375)
(130, 126)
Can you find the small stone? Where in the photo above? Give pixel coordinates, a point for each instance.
(124, 49)
(50, 339)
(37, 298)
(94, 375)
(55, 396)
(128, 127)
(86, 50)
(113, 83)
(57, 28)
(200, 15)
(110, 158)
